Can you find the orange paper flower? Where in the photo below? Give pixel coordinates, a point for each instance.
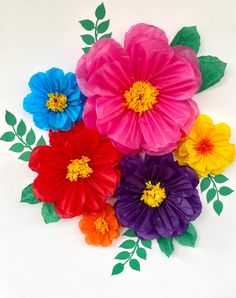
(101, 227)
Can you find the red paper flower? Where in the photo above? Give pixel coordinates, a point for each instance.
(77, 171)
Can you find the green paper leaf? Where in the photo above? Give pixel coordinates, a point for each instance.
(117, 269)
(103, 26)
(147, 243)
(211, 195)
(27, 196)
(205, 183)
(108, 35)
(10, 118)
(8, 136)
(88, 39)
(41, 142)
(128, 244)
(100, 12)
(225, 191)
(30, 137)
(87, 24)
(220, 178)
(129, 233)
(189, 237)
(123, 255)
(86, 49)
(166, 245)
(189, 37)
(17, 147)
(25, 156)
(212, 70)
(48, 213)
(21, 128)
(141, 252)
(218, 206)
(134, 264)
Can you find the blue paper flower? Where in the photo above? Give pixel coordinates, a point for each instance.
(56, 101)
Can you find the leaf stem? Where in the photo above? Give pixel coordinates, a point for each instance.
(22, 141)
(134, 250)
(215, 186)
(96, 31)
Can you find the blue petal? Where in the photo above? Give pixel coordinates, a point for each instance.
(67, 125)
(39, 84)
(41, 120)
(34, 103)
(57, 119)
(73, 112)
(55, 78)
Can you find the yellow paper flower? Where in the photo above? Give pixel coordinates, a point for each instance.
(206, 149)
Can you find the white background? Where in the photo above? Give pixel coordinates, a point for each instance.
(52, 261)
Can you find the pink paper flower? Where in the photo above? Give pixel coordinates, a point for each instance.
(140, 96)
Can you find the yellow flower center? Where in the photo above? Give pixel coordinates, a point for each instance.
(153, 195)
(79, 168)
(101, 225)
(141, 97)
(56, 102)
(204, 146)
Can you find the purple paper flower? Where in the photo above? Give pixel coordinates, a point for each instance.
(156, 197)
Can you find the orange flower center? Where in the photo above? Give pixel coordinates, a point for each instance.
(101, 225)
(204, 146)
(56, 102)
(141, 97)
(79, 168)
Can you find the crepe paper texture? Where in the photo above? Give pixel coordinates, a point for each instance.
(99, 28)
(213, 186)
(24, 138)
(127, 145)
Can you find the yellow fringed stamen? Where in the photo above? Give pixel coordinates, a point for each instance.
(56, 102)
(101, 225)
(141, 97)
(79, 168)
(153, 195)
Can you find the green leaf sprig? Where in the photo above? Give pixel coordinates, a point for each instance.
(24, 140)
(137, 247)
(210, 183)
(99, 28)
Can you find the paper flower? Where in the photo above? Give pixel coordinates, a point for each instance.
(207, 149)
(77, 171)
(101, 227)
(140, 96)
(55, 101)
(157, 197)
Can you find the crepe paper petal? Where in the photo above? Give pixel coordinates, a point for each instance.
(26, 138)
(108, 73)
(99, 27)
(100, 227)
(214, 191)
(189, 37)
(133, 247)
(77, 172)
(55, 100)
(49, 214)
(156, 197)
(189, 237)
(212, 70)
(166, 245)
(27, 195)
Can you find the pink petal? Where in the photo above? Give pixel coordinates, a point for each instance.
(177, 80)
(89, 113)
(191, 56)
(108, 108)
